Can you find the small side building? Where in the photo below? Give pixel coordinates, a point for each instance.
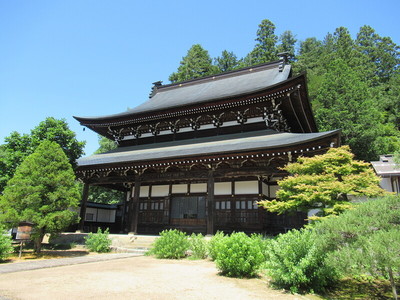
(388, 171)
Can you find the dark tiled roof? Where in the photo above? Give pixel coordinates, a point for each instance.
(221, 86)
(232, 143)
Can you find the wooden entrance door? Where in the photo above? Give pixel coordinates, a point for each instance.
(188, 212)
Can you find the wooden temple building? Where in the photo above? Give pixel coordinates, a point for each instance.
(199, 154)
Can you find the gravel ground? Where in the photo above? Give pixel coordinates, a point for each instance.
(134, 278)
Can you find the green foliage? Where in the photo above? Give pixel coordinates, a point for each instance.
(105, 145)
(171, 244)
(42, 191)
(58, 131)
(198, 246)
(239, 255)
(297, 263)
(397, 158)
(226, 62)
(17, 147)
(353, 85)
(5, 244)
(323, 182)
(197, 63)
(99, 194)
(98, 242)
(287, 44)
(265, 50)
(214, 245)
(364, 240)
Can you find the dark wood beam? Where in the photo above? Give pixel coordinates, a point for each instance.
(82, 214)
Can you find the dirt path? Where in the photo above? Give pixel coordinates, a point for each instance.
(134, 278)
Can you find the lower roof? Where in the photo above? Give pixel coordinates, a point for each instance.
(232, 143)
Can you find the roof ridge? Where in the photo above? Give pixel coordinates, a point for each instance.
(233, 73)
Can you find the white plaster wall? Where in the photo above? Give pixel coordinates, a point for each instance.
(273, 189)
(90, 210)
(222, 188)
(144, 191)
(246, 187)
(386, 184)
(106, 216)
(179, 188)
(265, 189)
(159, 190)
(198, 188)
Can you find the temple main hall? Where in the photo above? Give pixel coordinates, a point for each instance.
(198, 155)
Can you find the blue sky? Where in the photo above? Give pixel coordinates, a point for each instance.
(95, 57)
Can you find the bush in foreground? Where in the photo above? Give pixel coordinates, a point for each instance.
(198, 246)
(98, 242)
(297, 263)
(171, 244)
(239, 255)
(214, 245)
(5, 244)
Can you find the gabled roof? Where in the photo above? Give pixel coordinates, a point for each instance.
(207, 89)
(232, 143)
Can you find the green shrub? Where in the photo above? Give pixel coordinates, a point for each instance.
(365, 240)
(198, 246)
(171, 244)
(239, 255)
(5, 244)
(297, 263)
(98, 242)
(214, 245)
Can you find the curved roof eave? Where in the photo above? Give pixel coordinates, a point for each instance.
(204, 146)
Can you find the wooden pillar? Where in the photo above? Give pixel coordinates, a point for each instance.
(134, 208)
(210, 204)
(82, 214)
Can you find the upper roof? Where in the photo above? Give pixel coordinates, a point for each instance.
(208, 89)
(386, 166)
(232, 143)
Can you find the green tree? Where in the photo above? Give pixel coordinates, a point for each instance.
(105, 145)
(12, 153)
(324, 182)
(197, 63)
(42, 191)
(265, 49)
(344, 100)
(287, 44)
(58, 131)
(226, 62)
(381, 52)
(17, 147)
(397, 158)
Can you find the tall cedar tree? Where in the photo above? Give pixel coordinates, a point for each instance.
(43, 191)
(197, 63)
(324, 182)
(265, 50)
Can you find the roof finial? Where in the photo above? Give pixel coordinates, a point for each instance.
(284, 56)
(155, 87)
